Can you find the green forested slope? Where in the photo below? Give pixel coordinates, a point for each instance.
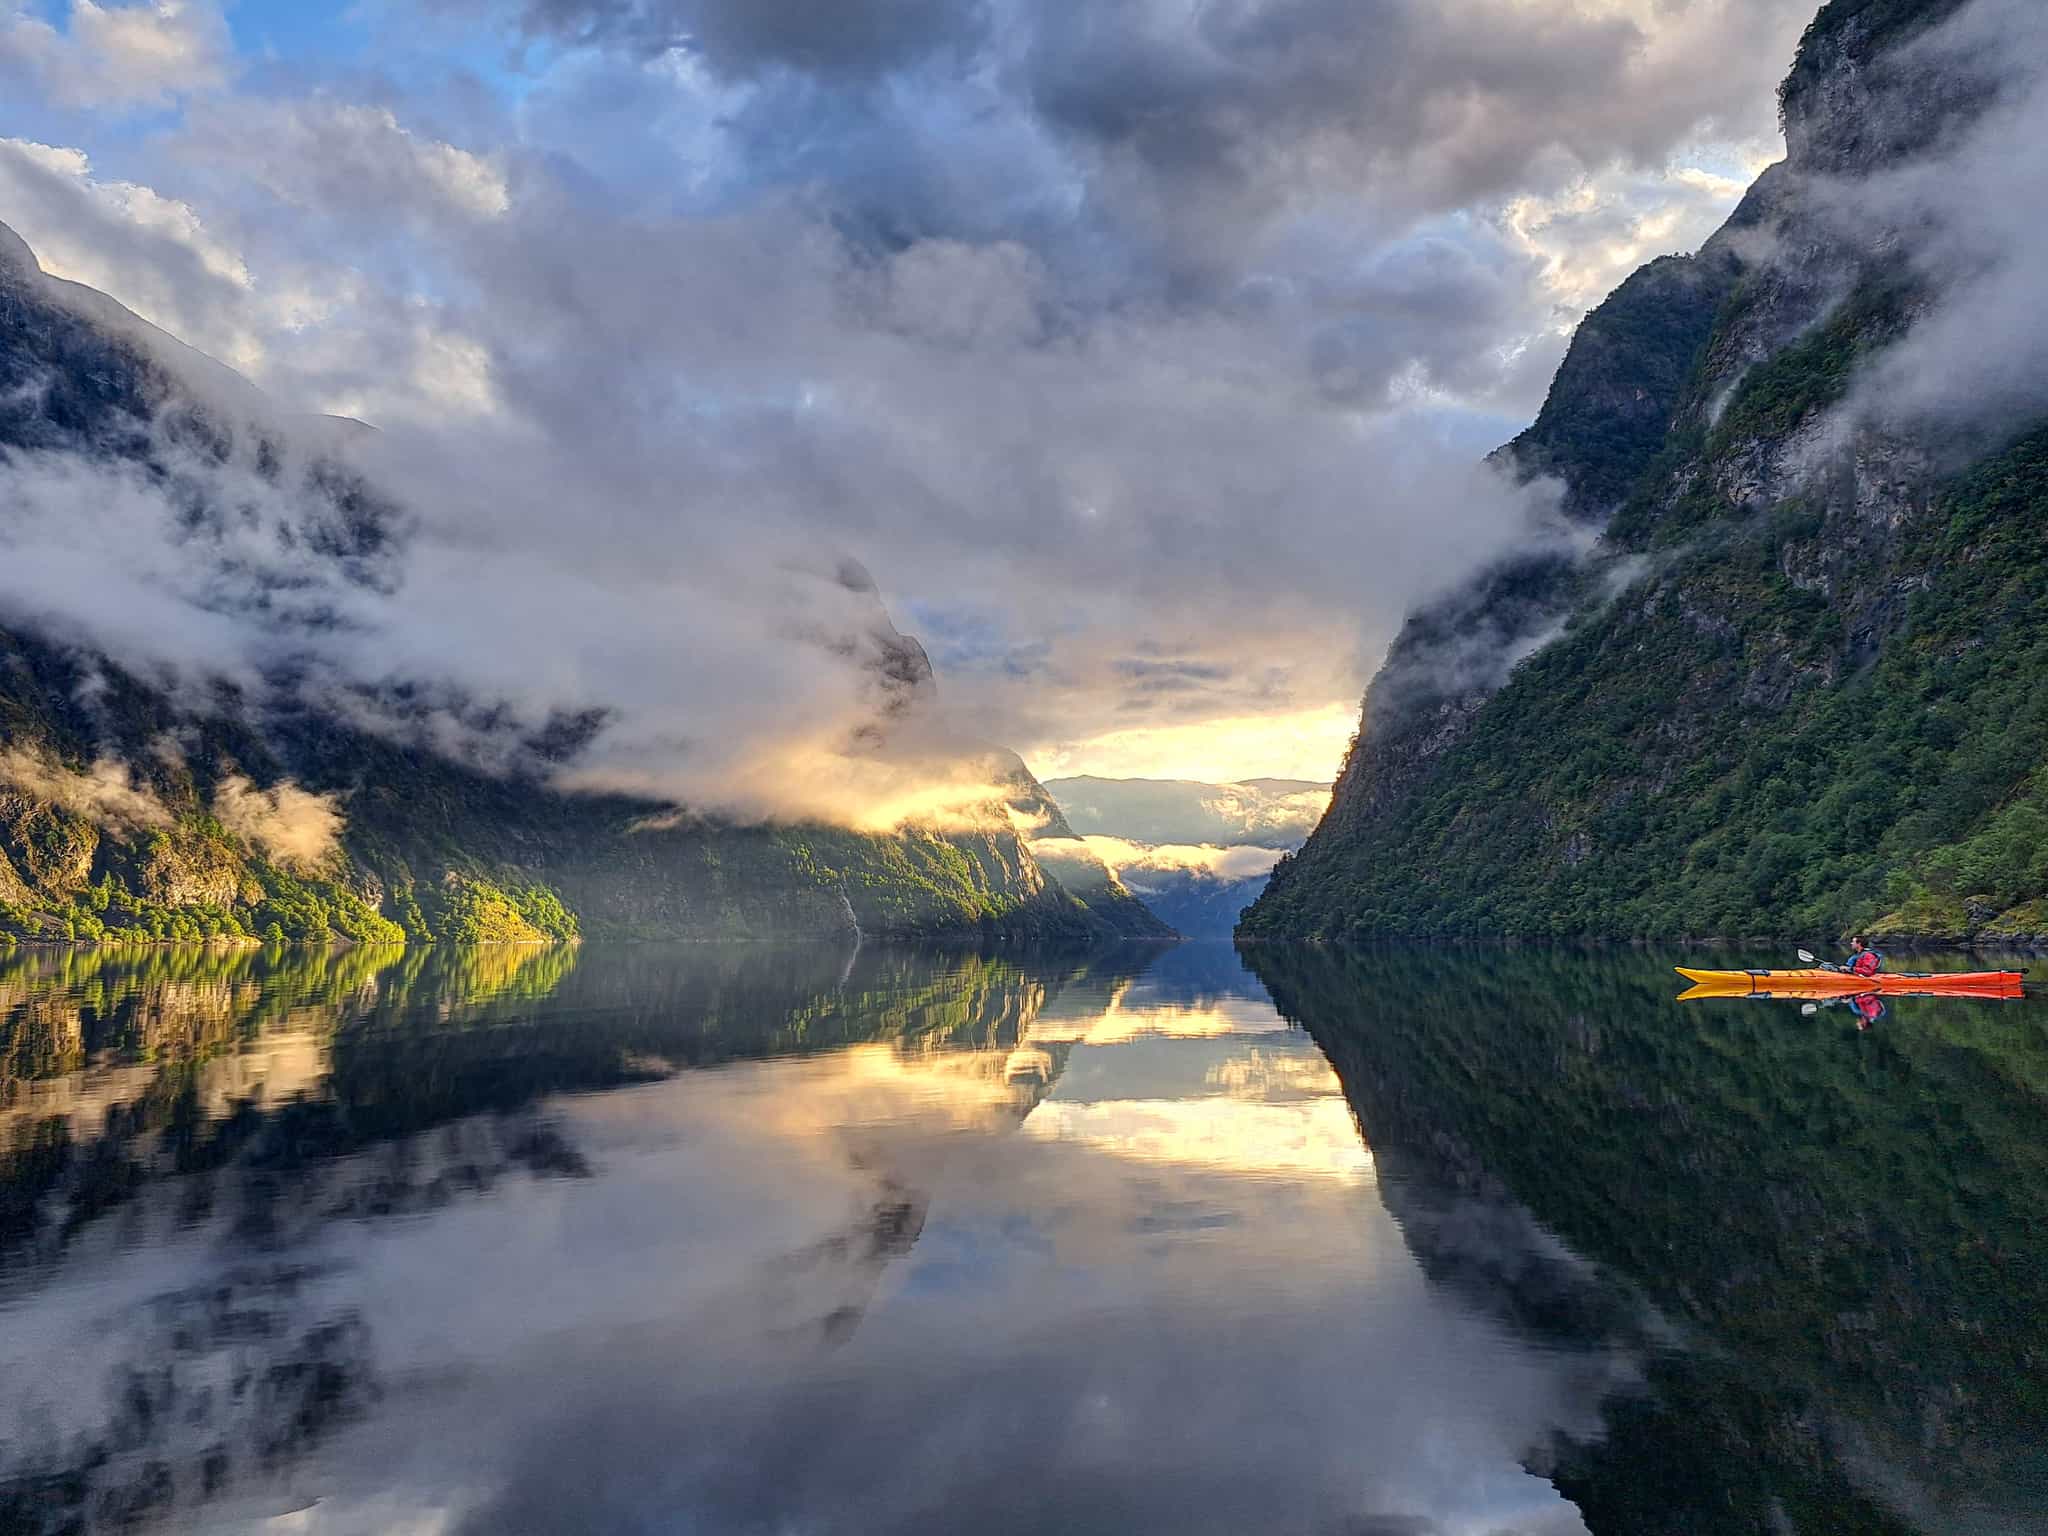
(1635, 777)
(430, 850)
(113, 785)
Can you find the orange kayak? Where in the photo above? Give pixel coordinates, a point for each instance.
(1818, 983)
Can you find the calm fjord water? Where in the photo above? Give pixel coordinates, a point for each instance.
(704, 1240)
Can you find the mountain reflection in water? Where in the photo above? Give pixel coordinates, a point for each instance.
(740, 1240)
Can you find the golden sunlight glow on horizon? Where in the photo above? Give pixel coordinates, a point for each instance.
(1304, 744)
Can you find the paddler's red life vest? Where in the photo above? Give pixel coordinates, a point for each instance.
(1867, 962)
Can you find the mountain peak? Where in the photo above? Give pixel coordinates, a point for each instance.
(15, 255)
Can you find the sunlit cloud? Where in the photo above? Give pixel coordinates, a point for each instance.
(1299, 744)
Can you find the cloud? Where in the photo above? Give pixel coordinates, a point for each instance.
(1591, 234)
(344, 158)
(189, 566)
(1969, 220)
(1131, 861)
(649, 521)
(830, 39)
(1151, 434)
(291, 825)
(746, 680)
(1212, 131)
(1142, 146)
(104, 792)
(1273, 814)
(317, 330)
(138, 55)
(157, 253)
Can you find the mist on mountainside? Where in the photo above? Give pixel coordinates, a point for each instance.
(1791, 683)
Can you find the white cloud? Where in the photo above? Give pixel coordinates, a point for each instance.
(138, 205)
(155, 254)
(122, 55)
(1130, 861)
(104, 792)
(420, 372)
(293, 826)
(1969, 222)
(316, 333)
(349, 159)
(1591, 234)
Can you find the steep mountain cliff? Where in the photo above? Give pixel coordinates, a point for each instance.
(182, 807)
(1798, 684)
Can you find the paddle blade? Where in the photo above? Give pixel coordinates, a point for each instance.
(1810, 1009)
(1806, 957)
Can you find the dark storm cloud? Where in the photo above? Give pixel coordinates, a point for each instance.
(838, 40)
(1150, 143)
(1197, 130)
(1245, 87)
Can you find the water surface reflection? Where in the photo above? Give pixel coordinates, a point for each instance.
(752, 1240)
(1845, 1231)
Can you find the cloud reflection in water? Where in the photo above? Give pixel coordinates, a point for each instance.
(1117, 1265)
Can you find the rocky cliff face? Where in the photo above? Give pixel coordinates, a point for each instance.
(1787, 690)
(129, 808)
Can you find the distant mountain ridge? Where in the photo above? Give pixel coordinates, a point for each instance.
(1797, 688)
(128, 811)
(1197, 854)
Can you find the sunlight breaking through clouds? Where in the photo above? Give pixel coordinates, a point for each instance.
(1194, 333)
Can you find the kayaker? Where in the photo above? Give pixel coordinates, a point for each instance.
(1863, 960)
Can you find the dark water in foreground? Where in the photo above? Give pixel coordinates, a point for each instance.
(791, 1242)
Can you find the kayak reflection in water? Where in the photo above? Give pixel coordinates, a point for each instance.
(1867, 1006)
